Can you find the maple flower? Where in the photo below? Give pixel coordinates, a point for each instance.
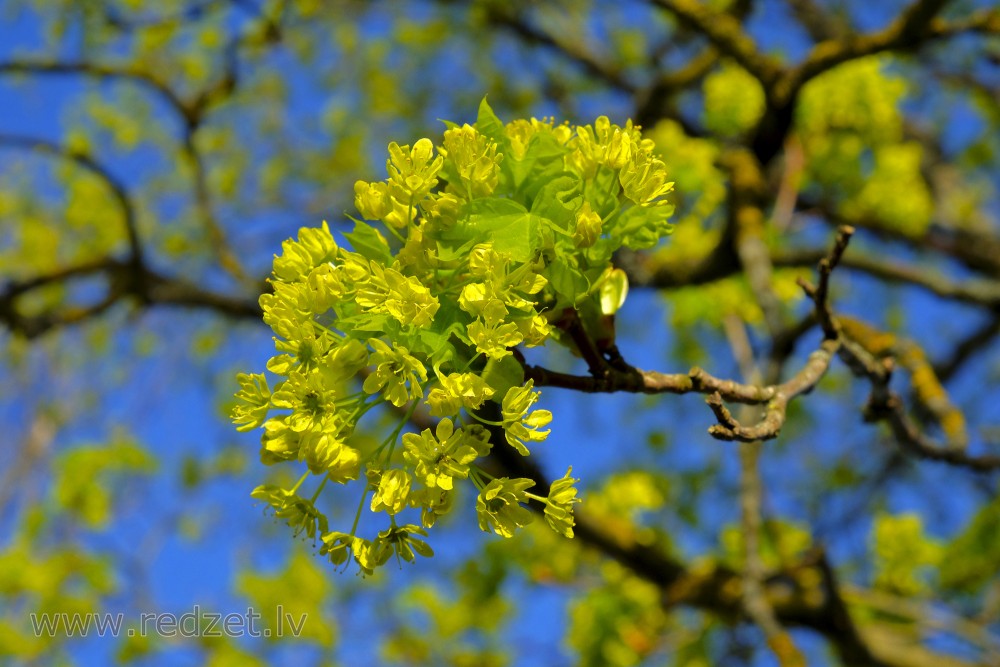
(298, 512)
(255, 400)
(325, 288)
(475, 157)
(301, 353)
(493, 341)
(535, 330)
(485, 261)
(395, 373)
(588, 226)
(325, 452)
(432, 503)
(520, 132)
(279, 443)
(400, 540)
(308, 396)
(404, 297)
(467, 279)
(442, 209)
(337, 546)
(365, 556)
(499, 506)
(440, 457)
(392, 492)
(559, 504)
(605, 143)
(458, 390)
(520, 426)
(443, 403)
(409, 301)
(286, 310)
(412, 171)
(644, 179)
(372, 200)
(315, 246)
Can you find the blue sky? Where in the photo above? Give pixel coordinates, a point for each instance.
(149, 383)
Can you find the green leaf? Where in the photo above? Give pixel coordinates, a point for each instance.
(488, 123)
(603, 195)
(502, 375)
(369, 322)
(505, 222)
(600, 253)
(567, 281)
(369, 242)
(559, 200)
(541, 173)
(972, 560)
(543, 156)
(642, 227)
(435, 344)
(448, 253)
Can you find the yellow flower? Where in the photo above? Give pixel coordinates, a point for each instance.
(457, 390)
(395, 373)
(255, 397)
(493, 341)
(442, 209)
(439, 460)
(432, 503)
(588, 226)
(337, 546)
(314, 246)
(409, 301)
(404, 297)
(413, 171)
(326, 288)
(535, 330)
(520, 426)
(644, 179)
(308, 396)
(499, 506)
(392, 492)
(475, 159)
(372, 200)
(279, 443)
(559, 504)
(399, 540)
(298, 512)
(326, 453)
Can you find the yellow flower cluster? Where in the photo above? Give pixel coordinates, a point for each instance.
(491, 235)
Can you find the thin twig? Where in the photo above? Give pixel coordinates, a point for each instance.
(820, 293)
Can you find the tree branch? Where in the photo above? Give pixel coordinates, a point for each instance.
(124, 280)
(590, 63)
(755, 601)
(191, 113)
(116, 187)
(968, 347)
(820, 294)
(885, 405)
(915, 26)
(100, 71)
(726, 34)
(652, 102)
(978, 292)
(607, 378)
